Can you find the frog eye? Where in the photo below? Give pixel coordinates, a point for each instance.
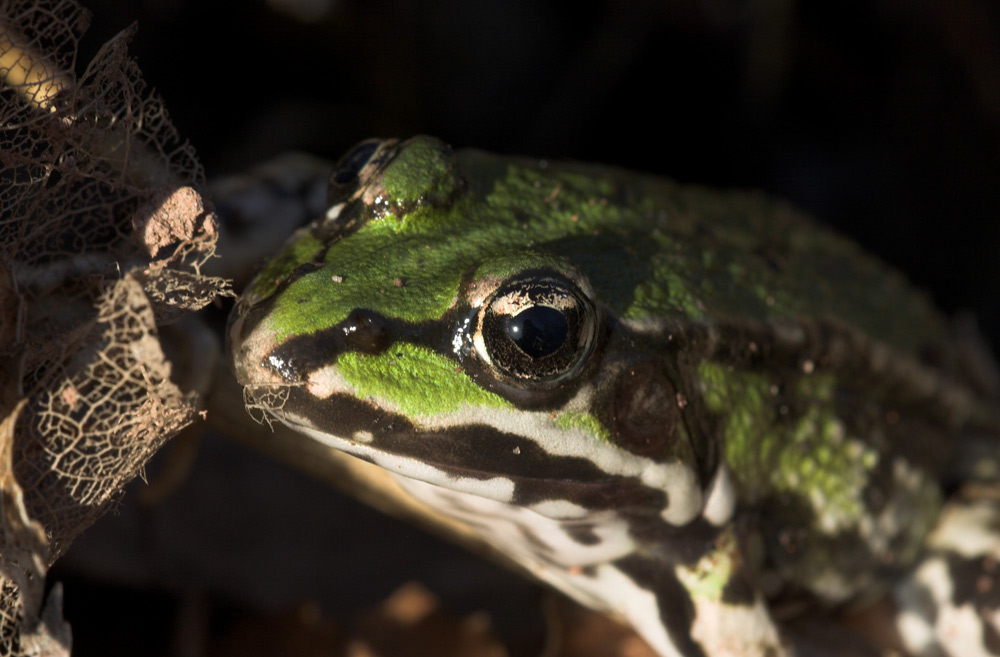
(351, 164)
(345, 176)
(537, 328)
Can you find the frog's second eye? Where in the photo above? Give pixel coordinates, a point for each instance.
(351, 164)
(537, 328)
(345, 177)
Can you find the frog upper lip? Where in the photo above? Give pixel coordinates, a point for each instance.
(475, 473)
(361, 449)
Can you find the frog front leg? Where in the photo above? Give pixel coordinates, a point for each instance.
(950, 604)
(725, 613)
(688, 597)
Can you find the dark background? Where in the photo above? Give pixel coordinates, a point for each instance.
(881, 117)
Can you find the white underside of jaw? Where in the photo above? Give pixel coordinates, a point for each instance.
(604, 587)
(621, 596)
(507, 527)
(484, 506)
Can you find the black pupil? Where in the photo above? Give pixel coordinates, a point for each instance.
(538, 331)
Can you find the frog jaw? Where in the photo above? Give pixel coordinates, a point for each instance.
(597, 529)
(583, 540)
(504, 454)
(595, 559)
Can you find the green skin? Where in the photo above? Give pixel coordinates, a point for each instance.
(741, 394)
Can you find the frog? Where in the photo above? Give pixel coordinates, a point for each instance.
(700, 411)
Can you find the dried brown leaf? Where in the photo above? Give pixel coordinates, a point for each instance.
(12, 318)
(23, 547)
(101, 415)
(51, 636)
(102, 237)
(169, 219)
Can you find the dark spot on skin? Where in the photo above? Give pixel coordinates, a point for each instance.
(365, 331)
(303, 269)
(583, 534)
(739, 590)
(674, 545)
(530, 538)
(362, 331)
(626, 495)
(991, 639)
(644, 413)
(976, 581)
(676, 608)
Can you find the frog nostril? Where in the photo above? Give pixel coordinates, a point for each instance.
(365, 331)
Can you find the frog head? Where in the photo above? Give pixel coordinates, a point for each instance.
(456, 319)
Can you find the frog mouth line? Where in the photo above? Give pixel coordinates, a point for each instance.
(579, 481)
